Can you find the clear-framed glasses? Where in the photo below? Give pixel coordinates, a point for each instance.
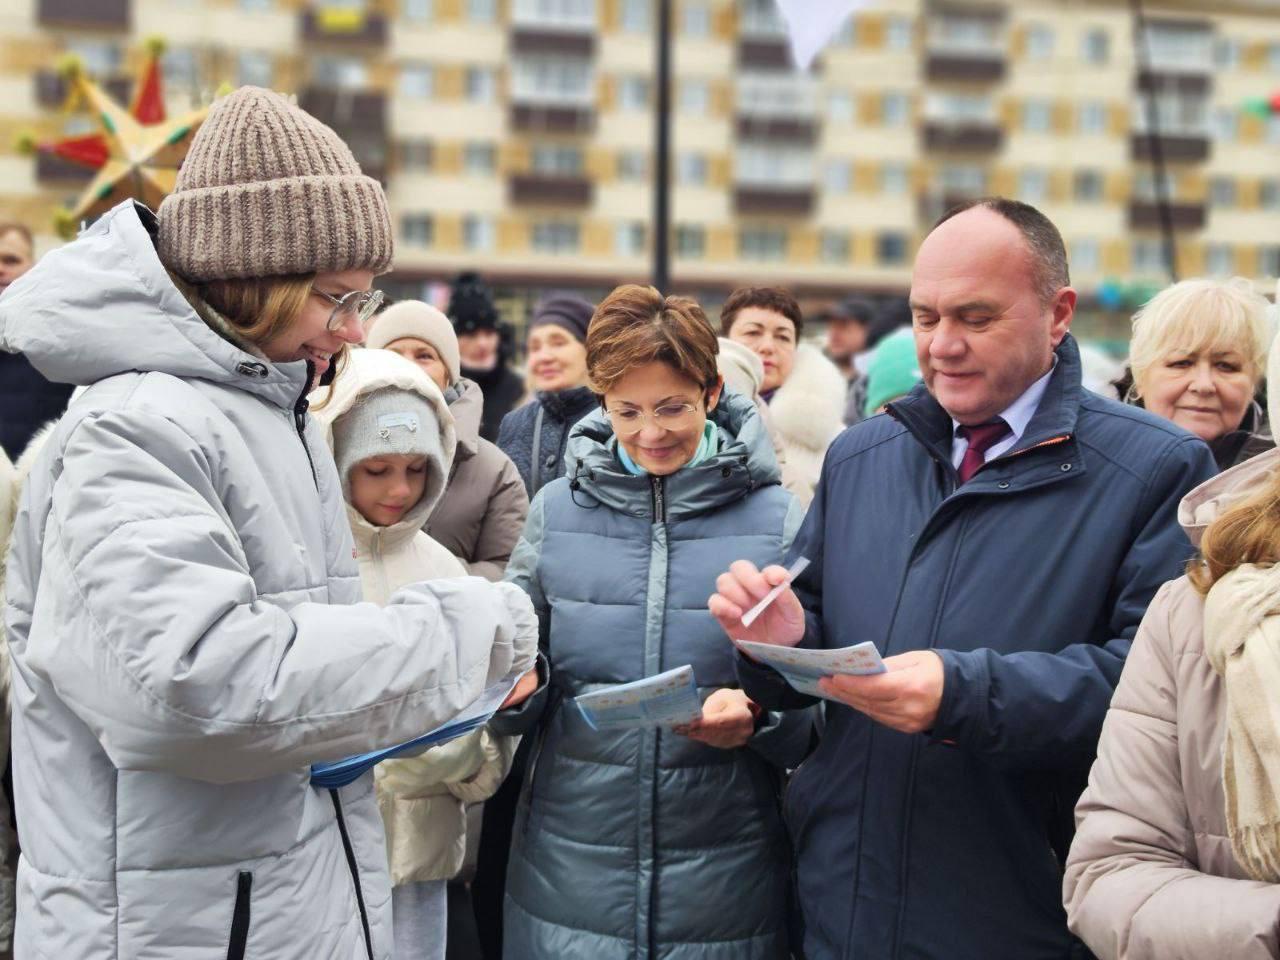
(361, 304)
(669, 416)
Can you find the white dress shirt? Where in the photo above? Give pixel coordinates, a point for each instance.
(1017, 416)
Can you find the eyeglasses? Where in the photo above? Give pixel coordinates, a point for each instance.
(361, 304)
(669, 416)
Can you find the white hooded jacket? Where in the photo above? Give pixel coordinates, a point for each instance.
(187, 639)
(422, 799)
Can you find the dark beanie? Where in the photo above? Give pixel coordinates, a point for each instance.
(567, 311)
(471, 306)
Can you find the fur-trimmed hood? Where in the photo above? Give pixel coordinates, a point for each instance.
(808, 410)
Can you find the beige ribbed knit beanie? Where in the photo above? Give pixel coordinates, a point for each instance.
(266, 190)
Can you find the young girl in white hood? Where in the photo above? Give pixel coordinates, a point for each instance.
(393, 439)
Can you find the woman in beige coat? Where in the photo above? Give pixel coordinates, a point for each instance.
(1177, 851)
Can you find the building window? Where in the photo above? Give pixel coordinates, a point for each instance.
(695, 19)
(482, 11)
(1088, 186)
(891, 247)
(417, 229)
(840, 107)
(900, 33)
(960, 108)
(775, 165)
(695, 97)
(762, 243)
(1037, 116)
(477, 232)
(895, 109)
(1148, 256)
(1144, 185)
(1039, 42)
(256, 6)
(894, 178)
(254, 68)
(1219, 260)
(1222, 192)
(417, 81)
(182, 70)
(691, 242)
(760, 18)
(416, 154)
(1225, 125)
(1096, 46)
(838, 176)
(633, 165)
(630, 240)
(554, 79)
(633, 93)
(558, 160)
(1273, 129)
(957, 31)
(637, 16)
(1084, 256)
(1180, 111)
(1269, 261)
(479, 158)
(1273, 57)
(1033, 186)
(691, 169)
(1269, 195)
(481, 84)
(339, 73)
(1093, 117)
(417, 11)
(1226, 53)
(555, 236)
(1176, 48)
(834, 246)
(963, 180)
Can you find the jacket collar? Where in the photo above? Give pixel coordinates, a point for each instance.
(745, 462)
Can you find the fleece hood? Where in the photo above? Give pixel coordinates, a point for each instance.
(104, 305)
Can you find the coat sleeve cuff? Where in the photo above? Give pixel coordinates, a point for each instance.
(520, 719)
(767, 687)
(966, 687)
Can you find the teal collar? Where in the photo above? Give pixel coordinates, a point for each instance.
(709, 446)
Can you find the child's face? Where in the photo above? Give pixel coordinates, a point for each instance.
(384, 489)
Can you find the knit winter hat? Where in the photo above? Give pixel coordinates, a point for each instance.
(471, 306)
(387, 422)
(893, 370)
(573, 314)
(266, 190)
(413, 318)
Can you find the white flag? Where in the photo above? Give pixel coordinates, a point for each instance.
(812, 24)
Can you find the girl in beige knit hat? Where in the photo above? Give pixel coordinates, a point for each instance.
(183, 601)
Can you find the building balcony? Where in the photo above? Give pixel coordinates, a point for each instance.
(51, 88)
(1178, 148)
(91, 14)
(51, 169)
(1145, 215)
(359, 117)
(764, 53)
(794, 130)
(532, 117)
(964, 66)
(342, 28)
(777, 201)
(549, 190)
(552, 41)
(972, 137)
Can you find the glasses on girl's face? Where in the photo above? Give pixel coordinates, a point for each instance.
(361, 304)
(669, 416)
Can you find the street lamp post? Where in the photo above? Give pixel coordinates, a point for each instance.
(662, 153)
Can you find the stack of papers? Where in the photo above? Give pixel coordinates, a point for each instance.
(804, 668)
(329, 776)
(667, 700)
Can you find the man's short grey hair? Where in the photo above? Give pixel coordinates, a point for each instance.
(1048, 252)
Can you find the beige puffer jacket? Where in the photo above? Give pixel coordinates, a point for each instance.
(422, 799)
(1151, 874)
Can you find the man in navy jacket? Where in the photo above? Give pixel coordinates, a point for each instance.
(998, 535)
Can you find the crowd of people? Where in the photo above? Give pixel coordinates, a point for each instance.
(258, 519)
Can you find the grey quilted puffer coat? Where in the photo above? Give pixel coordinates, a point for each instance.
(183, 614)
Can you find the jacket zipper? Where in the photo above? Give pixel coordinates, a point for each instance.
(239, 938)
(659, 501)
(354, 867)
(300, 407)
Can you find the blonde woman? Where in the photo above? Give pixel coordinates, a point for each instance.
(182, 593)
(1177, 851)
(1196, 358)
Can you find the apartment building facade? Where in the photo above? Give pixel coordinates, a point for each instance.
(515, 136)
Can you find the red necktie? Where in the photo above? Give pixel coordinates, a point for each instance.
(981, 439)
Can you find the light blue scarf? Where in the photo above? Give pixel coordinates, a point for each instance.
(709, 446)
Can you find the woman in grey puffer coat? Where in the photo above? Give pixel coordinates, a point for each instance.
(183, 602)
(647, 844)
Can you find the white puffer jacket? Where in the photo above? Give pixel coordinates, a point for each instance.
(187, 639)
(808, 413)
(422, 799)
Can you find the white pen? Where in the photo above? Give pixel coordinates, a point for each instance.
(796, 569)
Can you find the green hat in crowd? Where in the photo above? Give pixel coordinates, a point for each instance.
(892, 370)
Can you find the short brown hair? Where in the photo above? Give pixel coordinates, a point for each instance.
(22, 230)
(766, 298)
(636, 325)
(1044, 242)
